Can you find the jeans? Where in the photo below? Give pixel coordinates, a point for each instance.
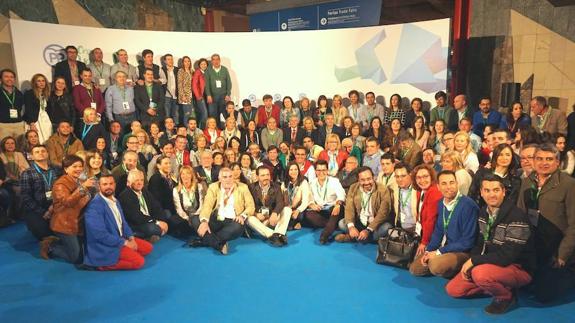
(380, 232)
(67, 248)
(37, 225)
(125, 120)
(217, 106)
(201, 113)
(187, 112)
(172, 109)
(146, 230)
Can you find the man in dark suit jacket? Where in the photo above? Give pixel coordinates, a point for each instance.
(151, 107)
(143, 212)
(292, 133)
(66, 67)
(328, 128)
(571, 130)
(460, 108)
(207, 171)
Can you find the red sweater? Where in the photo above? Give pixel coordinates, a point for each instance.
(340, 158)
(82, 99)
(428, 214)
(263, 116)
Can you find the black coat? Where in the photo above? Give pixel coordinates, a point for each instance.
(298, 136)
(510, 239)
(453, 124)
(92, 135)
(245, 140)
(142, 102)
(202, 174)
(410, 118)
(31, 107)
(61, 108)
(571, 131)
(131, 207)
(63, 69)
(512, 186)
(160, 188)
(322, 134)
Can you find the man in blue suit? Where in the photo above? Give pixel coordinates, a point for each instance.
(110, 243)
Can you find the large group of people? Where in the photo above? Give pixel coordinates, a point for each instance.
(105, 160)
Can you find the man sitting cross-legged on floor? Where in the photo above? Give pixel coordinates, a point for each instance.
(366, 207)
(110, 243)
(271, 218)
(226, 207)
(503, 252)
(454, 233)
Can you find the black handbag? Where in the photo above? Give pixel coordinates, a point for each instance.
(397, 248)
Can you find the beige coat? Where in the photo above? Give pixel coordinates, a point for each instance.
(243, 200)
(380, 203)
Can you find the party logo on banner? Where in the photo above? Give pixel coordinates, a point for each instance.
(54, 54)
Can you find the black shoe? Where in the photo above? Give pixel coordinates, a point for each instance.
(323, 240)
(284, 239)
(196, 243)
(499, 306)
(85, 267)
(275, 240)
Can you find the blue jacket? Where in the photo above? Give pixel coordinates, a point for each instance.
(479, 123)
(461, 230)
(103, 241)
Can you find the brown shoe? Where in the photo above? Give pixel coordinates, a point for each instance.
(45, 248)
(343, 237)
(52, 239)
(499, 306)
(154, 239)
(224, 249)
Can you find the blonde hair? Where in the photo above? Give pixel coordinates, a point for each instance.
(468, 149)
(455, 157)
(309, 119)
(337, 97)
(147, 140)
(336, 138)
(37, 92)
(194, 180)
(87, 111)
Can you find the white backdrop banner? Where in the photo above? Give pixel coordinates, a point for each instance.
(409, 59)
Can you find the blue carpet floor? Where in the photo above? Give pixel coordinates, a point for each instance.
(304, 282)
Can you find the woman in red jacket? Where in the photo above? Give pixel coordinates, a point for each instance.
(211, 132)
(333, 154)
(428, 196)
(198, 87)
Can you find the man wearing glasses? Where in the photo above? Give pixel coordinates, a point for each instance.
(547, 197)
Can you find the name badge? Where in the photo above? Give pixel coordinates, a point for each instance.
(126, 105)
(218, 84)
(13, 114)
(115, 155)
(129, 81)
(153, 104)
(49, 195)
(444, 240)
(102, 81)
(76, 82)
(93, 105)
(265, 211)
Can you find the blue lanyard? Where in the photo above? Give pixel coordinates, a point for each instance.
(48, 180)
(85, 131)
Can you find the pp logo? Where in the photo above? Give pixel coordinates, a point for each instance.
(323, 21)
(252, 97)
(277, 97)
(53, 54)
(284, 26)
(302, 95)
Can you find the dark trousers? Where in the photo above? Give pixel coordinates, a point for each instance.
(222, 231)
(553, 283)
(146, 230)
(323, 219)
(176, 225)
(37, 225)
(68, 248)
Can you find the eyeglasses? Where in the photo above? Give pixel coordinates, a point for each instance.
(548, 159)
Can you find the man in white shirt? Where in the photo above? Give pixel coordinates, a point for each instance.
(404, 199)
(169, 79)
(373, 108)
(226, 207)
(326, 209)
(386, 176)
(100, 70)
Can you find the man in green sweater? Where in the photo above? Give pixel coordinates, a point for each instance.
(218, 86)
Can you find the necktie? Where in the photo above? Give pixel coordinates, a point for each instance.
(293, 132)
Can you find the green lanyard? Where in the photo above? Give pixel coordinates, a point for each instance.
(365, 202)
(324, 190)
(143, 203)
(190, 195)
(404, 202)
(10, 100)
(123, 92)
(489, 223)
(446, 221)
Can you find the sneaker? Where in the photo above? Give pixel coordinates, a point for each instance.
(343, 237)
(284, 239)
(224, 250)
(275, 240)
(45, 248)
(154, 239)
(500, 306)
